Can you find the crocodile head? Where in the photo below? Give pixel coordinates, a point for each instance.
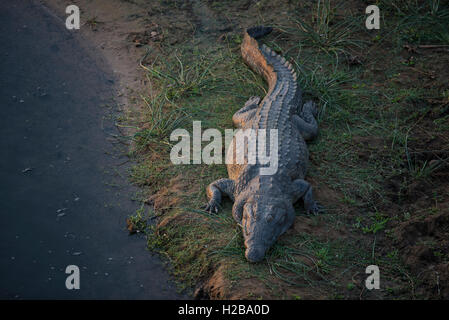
(264, 219)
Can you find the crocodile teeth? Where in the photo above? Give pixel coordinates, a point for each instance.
(273, 53)
(283, 60)
(264, 47)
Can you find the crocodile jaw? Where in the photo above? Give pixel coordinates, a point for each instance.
(262, 225)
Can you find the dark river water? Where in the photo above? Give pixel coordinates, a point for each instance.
(64, 195)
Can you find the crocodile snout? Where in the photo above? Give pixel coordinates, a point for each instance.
(255, 254)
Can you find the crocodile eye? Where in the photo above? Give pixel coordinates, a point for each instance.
(269, 218)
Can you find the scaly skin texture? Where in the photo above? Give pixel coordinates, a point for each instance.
(263, 204)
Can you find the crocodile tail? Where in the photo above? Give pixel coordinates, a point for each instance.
(259, 31)
(253, 56)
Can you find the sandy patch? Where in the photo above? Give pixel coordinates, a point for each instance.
(107, 27)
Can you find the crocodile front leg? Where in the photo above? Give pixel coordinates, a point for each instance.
(245, 114)
(303, 189)
(214, 192)
(306, 122)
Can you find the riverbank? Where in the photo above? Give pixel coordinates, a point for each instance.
(65, 195)
(379, 165)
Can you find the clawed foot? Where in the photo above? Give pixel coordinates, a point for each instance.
(311, 107)
(212, 206)
(252, 101)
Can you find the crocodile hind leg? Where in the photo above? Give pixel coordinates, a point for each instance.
(303, 189)
(245, 114)
(306, 122)
(214, 192)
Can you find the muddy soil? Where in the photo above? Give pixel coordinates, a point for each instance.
(64, 192)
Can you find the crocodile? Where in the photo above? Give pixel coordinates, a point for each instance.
(263, 204)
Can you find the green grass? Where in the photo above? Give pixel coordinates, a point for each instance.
(303, 260)
(326, 32)
(161, 118)
(421, 22)
(93, 22)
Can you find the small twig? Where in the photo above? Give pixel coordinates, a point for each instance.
(122, 163)
(429, 74)
(156, 216)
(432, 46)
(430, 151)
